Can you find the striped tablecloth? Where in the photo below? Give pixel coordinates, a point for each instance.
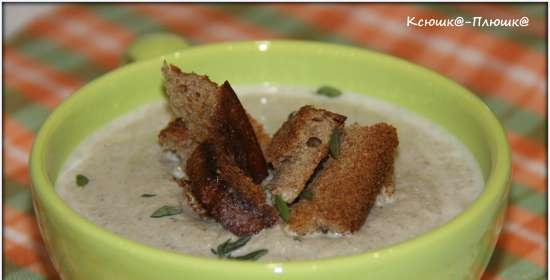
(61, 51)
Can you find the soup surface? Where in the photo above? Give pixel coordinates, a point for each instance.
(436, 178)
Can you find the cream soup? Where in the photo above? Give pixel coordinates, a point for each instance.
(435, 174)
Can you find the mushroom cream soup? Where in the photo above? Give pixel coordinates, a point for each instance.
(130, 177)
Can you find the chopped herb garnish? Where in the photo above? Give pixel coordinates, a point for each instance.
(282, 207)
(166, 210)
(297, 238)
(148, 195)
(329, 91)
(225, 249)
(252, 256)
(81, 180)
(307, 194)
(335, 140)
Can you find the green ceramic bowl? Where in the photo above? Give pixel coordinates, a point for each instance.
(457, 250)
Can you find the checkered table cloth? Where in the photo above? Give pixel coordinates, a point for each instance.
(63, 50)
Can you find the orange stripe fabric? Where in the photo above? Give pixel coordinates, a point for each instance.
(12, 55)
(219, 17)
(30, 256)
(22, 222)
(530, 221)
(529, 178)
(521, 247)
(30, 259)
(199, 21)
(527, 148)
(75, 27)
(38, 82)
(17, 145)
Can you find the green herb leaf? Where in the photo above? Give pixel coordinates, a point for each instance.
(281, 205)
(81, 180)
(329, 91)
(297, 238)
(148, 195)
(220, 250)
(335, 140)
(252, 256)
(232, 246)
(224, 250)
(307, 194)
(166, 210)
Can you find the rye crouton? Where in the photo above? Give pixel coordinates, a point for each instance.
(175, 138)
(346, 188)
(298, 147)
(219, 189)
(209, 111)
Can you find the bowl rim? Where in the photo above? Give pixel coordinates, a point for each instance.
(496, 182)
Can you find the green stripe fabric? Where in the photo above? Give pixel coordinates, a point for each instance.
(12, 187)
(13, 101)
(537, 10)
(21, 201)
(9, 266)
(522, 270)
(500, 260)
(503, 261)
(539, 132)
(280, 23)
(23, 274)
(528, 199)
(516, 119)
(127, 18)
(62, 59)
(31, 116)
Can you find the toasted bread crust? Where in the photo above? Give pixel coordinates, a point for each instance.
(224, 192)
(298, 147)
(192, 201)
(237, 135)
(346, 188)
(214, 112)
(192, 98)
(175, 137)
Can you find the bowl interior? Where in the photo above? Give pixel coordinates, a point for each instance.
(285, 63)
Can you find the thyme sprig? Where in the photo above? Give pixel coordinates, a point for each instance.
(224, 250)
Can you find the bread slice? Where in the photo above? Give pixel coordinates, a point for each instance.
(346, 188)
(214, 112)
(175, 138)
(219, 189)
(298, 147)
(193, 98)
